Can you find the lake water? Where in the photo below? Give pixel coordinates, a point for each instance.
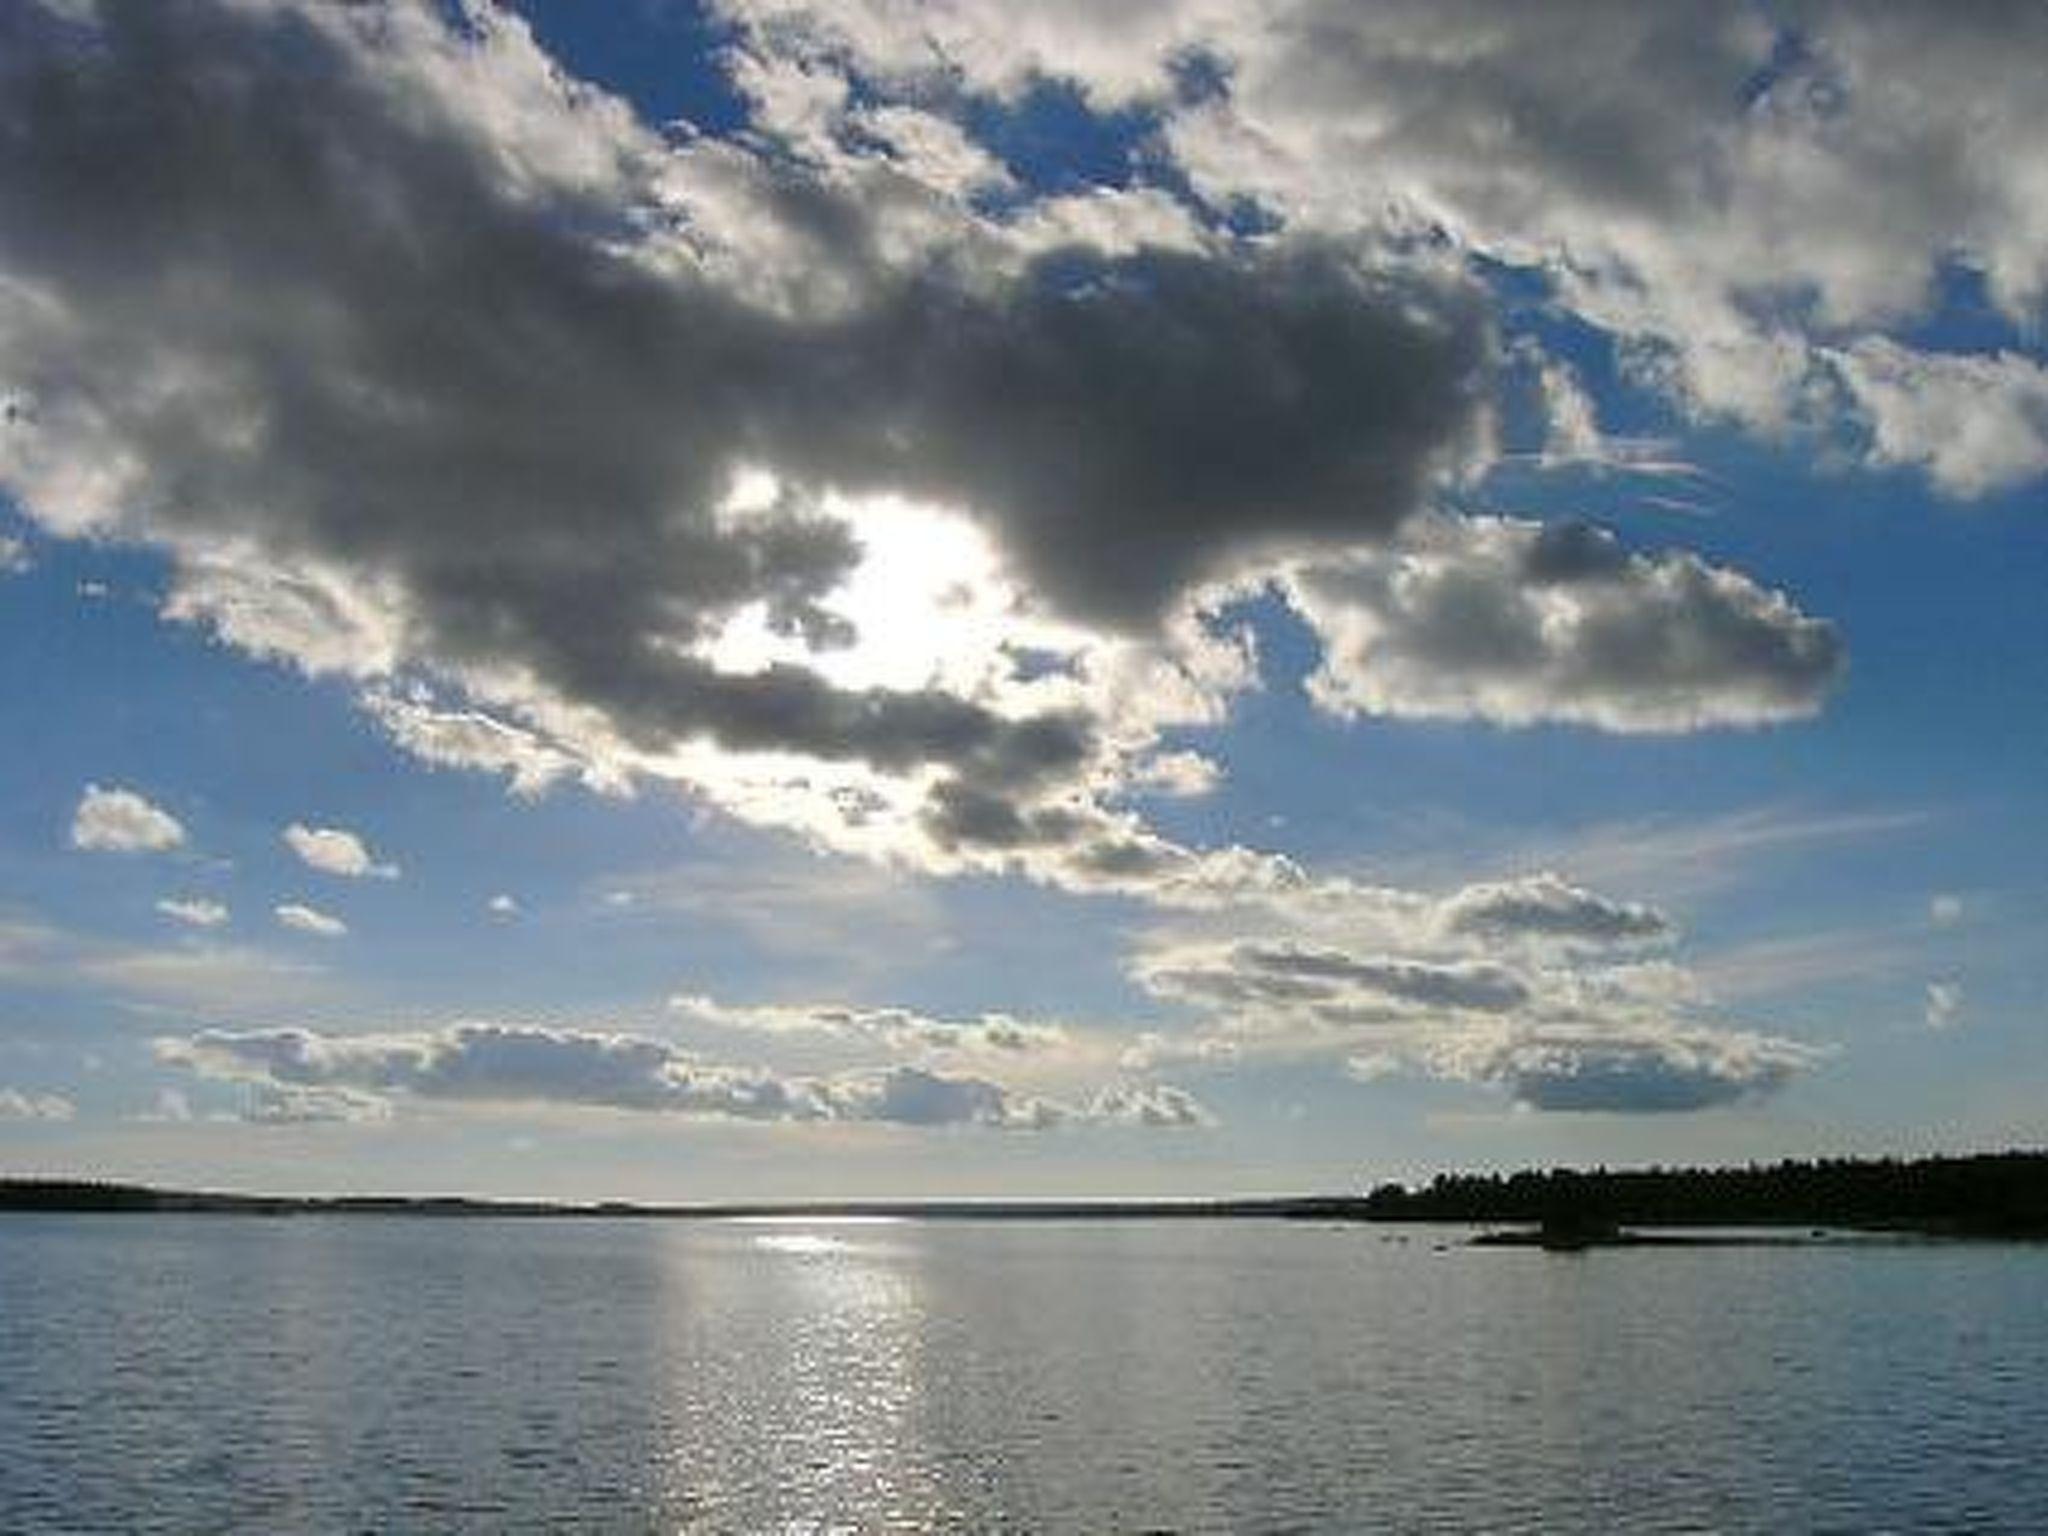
(196, 1373)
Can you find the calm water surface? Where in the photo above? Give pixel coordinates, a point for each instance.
(194, 1373)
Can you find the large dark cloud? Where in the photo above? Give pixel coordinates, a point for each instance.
(1692, 178)
(286, 299)
(1134, 423)
(1519, 622)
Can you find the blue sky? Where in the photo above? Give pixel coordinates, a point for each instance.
(810, 597)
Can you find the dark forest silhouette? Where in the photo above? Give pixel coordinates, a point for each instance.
(1995, 1193)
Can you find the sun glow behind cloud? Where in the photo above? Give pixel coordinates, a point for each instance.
(929, 603)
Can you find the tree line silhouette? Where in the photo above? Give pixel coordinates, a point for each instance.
(1992, 1193)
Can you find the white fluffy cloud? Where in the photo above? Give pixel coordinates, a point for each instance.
(122, 821)
(336, 851)
(1974, 423)
(301, 918)
(323, 618)
(481, 742)
(193, 911)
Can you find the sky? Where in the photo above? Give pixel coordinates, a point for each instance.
(809, 598)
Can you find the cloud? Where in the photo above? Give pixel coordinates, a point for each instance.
(322, 618)
(1944, 1004)
(1692, 185)
(1532, 986)
(17, 1105)
(304, 919)
(502, 905)
(490, 1063)
(1261, 940)
(917, 1086)
(299, 1074)
(913, 1096)
(122, 821)
(336, 851)
(298, 1104)
(472, 739)
(1155, 1048)
(1593, 1069)
(280, 423)
(1546, 906)
(813, 479)
(1975, 424)
(1329, 983)
(14, 556)
(762, 371)
(897, 1029)
(1156, 1107)
(1520, 623)
(193, 911)
(1944, 909)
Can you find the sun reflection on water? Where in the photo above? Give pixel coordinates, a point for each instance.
(814, 1381)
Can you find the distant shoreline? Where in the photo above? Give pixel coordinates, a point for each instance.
(85, 1197)
(1992, 1195)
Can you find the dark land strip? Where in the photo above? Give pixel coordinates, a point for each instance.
(1991, 1195)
